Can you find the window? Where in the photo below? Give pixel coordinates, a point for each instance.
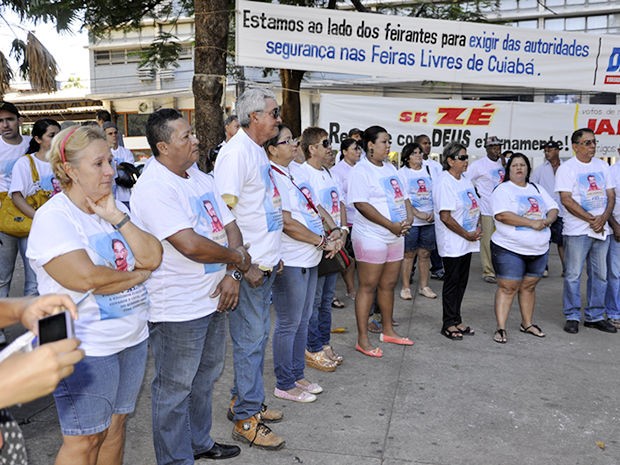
(529, 24)
(102, 57)
(117, 57)
(136, 124)
(555, 24)
(597, 23)
(575, 24)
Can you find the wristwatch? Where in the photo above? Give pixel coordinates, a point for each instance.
(235, 274)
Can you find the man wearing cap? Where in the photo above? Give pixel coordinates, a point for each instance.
(486, 173)
(544, 176)
(586, 232)
(121, 155)
(12, 146)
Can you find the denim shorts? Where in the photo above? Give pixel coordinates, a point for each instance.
(98, 388)
(514, 266)
(420, 237)
(556, 231)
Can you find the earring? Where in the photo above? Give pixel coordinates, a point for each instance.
(371, 151)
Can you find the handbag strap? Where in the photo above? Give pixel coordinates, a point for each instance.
(33, 170)
(309, 201)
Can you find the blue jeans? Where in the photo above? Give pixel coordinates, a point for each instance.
(612, 296)
(293, 299)
(9, 246)
(577, 250)
(321, 320)
(249, 330)
(189, 358)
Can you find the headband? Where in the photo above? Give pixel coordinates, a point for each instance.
(64, 142)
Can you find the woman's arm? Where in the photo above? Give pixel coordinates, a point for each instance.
(298, 231)
(446, 218)
(20, 202)
(372, 214)
(76, 271)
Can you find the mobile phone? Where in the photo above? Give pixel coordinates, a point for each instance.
(55, 327)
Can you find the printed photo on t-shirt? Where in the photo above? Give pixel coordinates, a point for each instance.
(272, 201)
(531, 207)
(209, 224)
(472, 209)
(592, 191)
(331, 199)
(395, 198)
(113, 252)
(420, 193)
(306, 198)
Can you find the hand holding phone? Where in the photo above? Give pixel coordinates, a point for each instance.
(55, 328)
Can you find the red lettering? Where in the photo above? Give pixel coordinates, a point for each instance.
(481, 116)
(605, 127)
(420, 117)
(405, 116)
(451, 115)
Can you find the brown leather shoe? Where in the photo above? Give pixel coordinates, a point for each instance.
(268, 415)
(257, 434)
(320, 361)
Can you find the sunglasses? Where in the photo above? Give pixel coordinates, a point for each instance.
(325, 143)
(275, 113)
(461, 157)
(293, 142)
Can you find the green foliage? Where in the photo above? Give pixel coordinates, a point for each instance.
(162, 53)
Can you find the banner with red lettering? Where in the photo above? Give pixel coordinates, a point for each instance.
(523, 127)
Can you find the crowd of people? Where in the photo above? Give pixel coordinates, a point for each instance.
(181, 256)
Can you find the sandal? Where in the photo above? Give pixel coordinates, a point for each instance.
(336, 303)
(468, 331)
(528, 330)
(452, 335)
(500, 336)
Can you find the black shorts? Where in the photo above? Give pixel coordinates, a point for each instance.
(556, 231)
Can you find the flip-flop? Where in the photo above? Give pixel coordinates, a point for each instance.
(374, 353)
(452, 335)
(468, 331)
(527, 330)
(502, 336)
(337, 304)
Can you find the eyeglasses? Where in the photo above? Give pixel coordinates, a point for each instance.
(325, 143)
(461, 157)
(293, 142)
(275, 113)
(588, 142)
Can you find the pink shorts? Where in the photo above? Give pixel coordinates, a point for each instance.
(369, 250)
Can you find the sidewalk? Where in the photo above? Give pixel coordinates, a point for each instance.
(531, 401)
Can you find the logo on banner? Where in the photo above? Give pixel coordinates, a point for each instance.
(613, 67)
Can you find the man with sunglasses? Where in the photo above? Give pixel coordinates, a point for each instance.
(486, 173)
(586, 231)
(243, 178)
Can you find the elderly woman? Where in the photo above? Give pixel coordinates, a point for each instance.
(383, 217)
(457, 225)
(294, 289)
(420, 240)
(523, 213)
(71, 251)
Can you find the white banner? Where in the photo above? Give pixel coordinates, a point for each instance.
(317, 39)
(523, 127)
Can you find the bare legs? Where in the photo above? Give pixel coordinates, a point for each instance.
(105, 448)
(504, 296)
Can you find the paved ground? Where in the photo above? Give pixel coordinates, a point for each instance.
(532, 401)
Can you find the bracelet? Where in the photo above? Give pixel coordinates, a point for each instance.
(122, 222)
(346, 229)
(321, 244)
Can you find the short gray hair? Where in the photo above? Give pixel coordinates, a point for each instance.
(451, 150)
(250, 101)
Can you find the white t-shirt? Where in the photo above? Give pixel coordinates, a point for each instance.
(243, 170)
(341, 172)
(545, 177)
(21, 180)
(529, 203)
(457, 196)
(419, 187)
(166, 204)
(434, 167)
(107, 324)
(587, 183)
(294, 252)
(8, 156)
(121, 154)
(326, 189)
(614, 172)
(486, 175)
(381, 187)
